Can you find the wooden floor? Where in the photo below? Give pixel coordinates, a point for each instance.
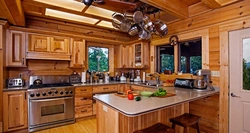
(85, 126)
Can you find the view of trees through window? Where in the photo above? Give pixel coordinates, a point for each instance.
(189, 53)
(246, 64)
(98, 59)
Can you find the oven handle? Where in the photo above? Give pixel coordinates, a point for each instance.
(54, 99)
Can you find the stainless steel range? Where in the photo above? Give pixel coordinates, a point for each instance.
(51, 102)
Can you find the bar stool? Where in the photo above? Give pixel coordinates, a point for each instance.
(157, 128)
(186, 120)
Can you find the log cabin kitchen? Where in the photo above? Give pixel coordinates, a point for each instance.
(124, 66)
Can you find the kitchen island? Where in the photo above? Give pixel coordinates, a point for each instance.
(120, 115)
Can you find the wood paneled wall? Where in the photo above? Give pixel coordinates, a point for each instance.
(218, 22)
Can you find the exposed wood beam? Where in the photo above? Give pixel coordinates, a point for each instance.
(173, 7)
(6, 12)
(16, 11)
(211, 3)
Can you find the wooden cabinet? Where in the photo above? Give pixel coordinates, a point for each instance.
(15, 49)
(15, 110)
(105, 89)
(47, 47)
(141, 55)
(83, 102)
(133, 56)
(77, 48)
(2, 33)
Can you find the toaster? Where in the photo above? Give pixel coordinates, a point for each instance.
(15, 82)
(186, 83)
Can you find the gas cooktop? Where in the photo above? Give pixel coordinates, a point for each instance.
(50, 85)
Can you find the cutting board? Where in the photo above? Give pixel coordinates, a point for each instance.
(125, 95)
(136, 94)
(168, 95)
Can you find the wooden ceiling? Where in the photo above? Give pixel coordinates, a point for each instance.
(171, 10)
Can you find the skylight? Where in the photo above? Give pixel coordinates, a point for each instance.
(68, 4)
(99, 12)
(105, 24)
(70, 16)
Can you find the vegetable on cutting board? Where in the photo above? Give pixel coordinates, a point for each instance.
(160, 92)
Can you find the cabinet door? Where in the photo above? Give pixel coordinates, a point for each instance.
(128, 61)
(77, 53)
(15, 49)
(59, 45)
(138, 55)
(38, 43)
(14, 110)
(83, 111)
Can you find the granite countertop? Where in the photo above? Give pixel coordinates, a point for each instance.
(16, 88)
(133, 108)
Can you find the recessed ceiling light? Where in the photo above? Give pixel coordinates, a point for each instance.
(70, 16)
(105, 24)
(68, 4)
(93, 10)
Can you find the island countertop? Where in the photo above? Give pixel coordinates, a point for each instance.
(134, 108)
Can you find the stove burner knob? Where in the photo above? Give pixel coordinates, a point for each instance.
(49, 92)
(61, 92)
(71, 92)
(37, 94)
(32, 95)
(56, 92)
(66, 92)
(44, 94)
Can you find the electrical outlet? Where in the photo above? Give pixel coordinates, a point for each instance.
(105, 108)
(215, 73)
(20, 75)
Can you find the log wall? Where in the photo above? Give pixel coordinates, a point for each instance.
(218, 23)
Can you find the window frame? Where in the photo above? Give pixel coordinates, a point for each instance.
(203, 34)
(111, 54)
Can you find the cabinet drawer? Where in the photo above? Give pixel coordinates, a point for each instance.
(83, 99)
(137, 88)
(104, 89)
(83, 90)
(82, 111)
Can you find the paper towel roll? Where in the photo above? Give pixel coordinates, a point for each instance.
(83, 77)
(143, 77)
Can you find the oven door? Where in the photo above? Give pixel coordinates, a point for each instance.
(44, 111)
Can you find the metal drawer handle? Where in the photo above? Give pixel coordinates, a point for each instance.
(84, 90)
(84, 99)
(84, 111)
(105, 88)
(233, 95)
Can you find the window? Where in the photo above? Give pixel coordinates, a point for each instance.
(189, 53)
(98, 59)
(166, 58)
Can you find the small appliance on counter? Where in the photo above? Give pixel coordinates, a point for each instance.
(186, 83)
(203, 81)
(15, 82)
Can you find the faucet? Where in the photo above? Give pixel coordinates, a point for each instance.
(157, 78)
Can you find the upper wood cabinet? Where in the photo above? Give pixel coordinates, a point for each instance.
(15, 110)
(78, 47)
(1, 36)
(141, 55)
(15, 49)
(47, 47)
(133, 56)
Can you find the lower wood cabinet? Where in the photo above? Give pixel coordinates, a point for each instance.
(15, 114)
(82, 111)
(83, 101)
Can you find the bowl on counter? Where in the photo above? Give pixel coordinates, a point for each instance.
(146, 93)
